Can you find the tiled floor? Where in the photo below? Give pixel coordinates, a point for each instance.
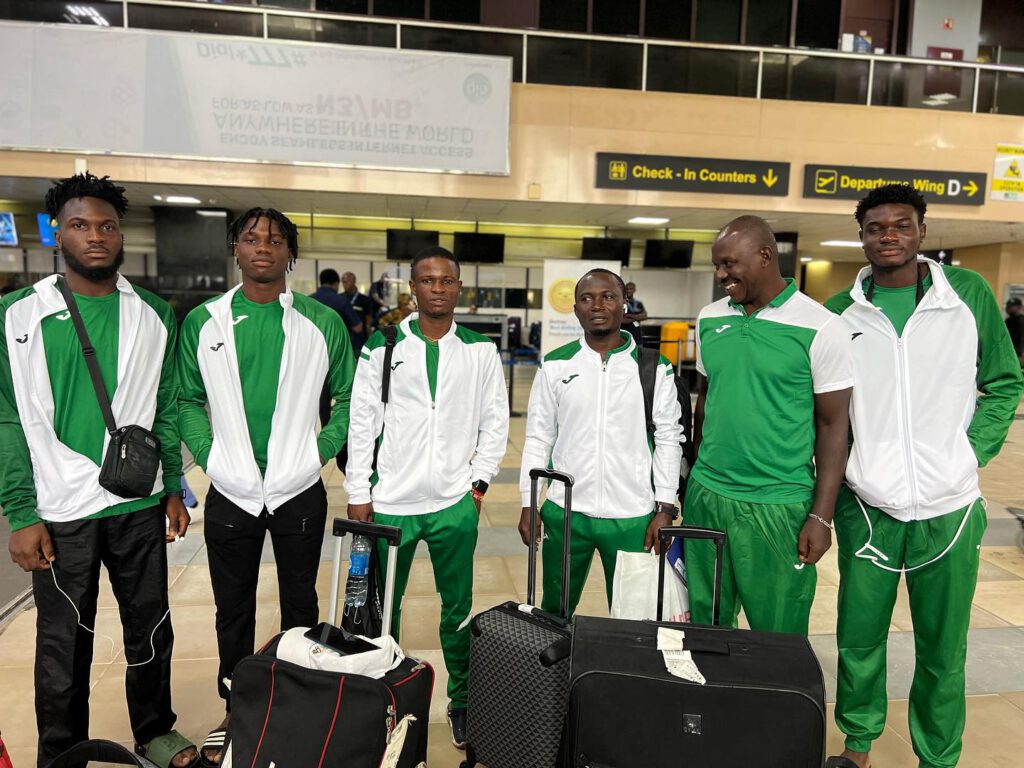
(995, 730)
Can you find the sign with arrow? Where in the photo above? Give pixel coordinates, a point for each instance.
(708, 175)
(847, 182)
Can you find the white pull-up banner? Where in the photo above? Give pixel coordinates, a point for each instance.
(213, 97)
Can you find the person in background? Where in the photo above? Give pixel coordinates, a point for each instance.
(398, 314)
(362, 308)
(1015, 325)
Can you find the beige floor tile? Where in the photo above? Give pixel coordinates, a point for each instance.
(889, 751)
(824, 610)
(21, 756)
(503, 493)
(1016, 698)
(502, 514)
(17, 715)
(593, 604)
(491, 577)
(989, 571)
(1008, 558)
(440, 752)
(420, 617)
(994, 737)
(1004, 599)
(828, 567)
(517, 567)
(18, 643)
(195, 632)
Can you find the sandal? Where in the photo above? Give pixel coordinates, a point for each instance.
(215, 740)
(163, 749)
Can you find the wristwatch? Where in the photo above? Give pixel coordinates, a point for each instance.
(478, 489)
(667, 509)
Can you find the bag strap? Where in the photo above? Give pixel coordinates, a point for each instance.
(90, 356)
(647, 363)
(390, 334)
(99, 750)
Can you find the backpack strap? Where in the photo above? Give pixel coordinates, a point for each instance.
(647, 363)
(390, 334)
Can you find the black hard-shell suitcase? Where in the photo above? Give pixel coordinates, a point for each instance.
(763, 702)
(288, 716)
(519, 668)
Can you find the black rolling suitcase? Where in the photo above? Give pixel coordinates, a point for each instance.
(289, 716)
(519, 668)
(763, 703)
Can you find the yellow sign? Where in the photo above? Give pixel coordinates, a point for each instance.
(1008, 178)
(562, 295)
(617, 170)
(825, 181)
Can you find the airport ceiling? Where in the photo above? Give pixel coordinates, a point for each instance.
(813, 228)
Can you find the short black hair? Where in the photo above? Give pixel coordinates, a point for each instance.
(85, 185)
(600, 271)
(329, 277)
(434, 252)
(1014, 302)
(898, 194)
(288, 229)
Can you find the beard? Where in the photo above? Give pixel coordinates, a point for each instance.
(93, 274)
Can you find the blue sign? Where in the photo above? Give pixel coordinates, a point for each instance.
(47, 230)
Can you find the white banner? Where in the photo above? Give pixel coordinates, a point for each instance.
(560, 278)
(215, 97)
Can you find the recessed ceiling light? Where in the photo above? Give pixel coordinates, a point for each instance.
(653, 221)
(185, 199)
(158, 197)
(837, 243)
(221, 214)
(806, 259)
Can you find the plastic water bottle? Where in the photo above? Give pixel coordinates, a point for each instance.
(358, 572)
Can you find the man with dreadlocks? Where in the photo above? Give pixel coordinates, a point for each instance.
(587, 417)
(257, 357)
(52, 442)
(926, 340)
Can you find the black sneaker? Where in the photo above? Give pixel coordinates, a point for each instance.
(457, 722)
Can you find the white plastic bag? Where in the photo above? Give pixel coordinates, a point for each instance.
(635, 589)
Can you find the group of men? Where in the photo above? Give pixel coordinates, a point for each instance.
(897, 362)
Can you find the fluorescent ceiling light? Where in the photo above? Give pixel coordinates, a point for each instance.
(158, 197)
(653, 221)
(183, 199)
(221, 214)
(831, 243)
(806, 259)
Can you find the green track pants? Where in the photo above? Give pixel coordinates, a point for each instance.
(604, 535)
(760, 568)
(941, 559)
(451, 540)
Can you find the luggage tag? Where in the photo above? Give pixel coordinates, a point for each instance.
(395, 743)
(678, 661)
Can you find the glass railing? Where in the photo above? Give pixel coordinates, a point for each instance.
(555, 58)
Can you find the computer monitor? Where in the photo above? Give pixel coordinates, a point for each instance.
(403, 244)
(607, 249)
(8, 230)
(479, 247)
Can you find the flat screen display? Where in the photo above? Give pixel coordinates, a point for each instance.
(8, 231)
(403, 244)
(607, 249)
(480, 248)
(668, 254)
(47, 230)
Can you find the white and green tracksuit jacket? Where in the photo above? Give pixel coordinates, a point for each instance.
(315, 348)
(433, 446)
(920, 430)
(52, 435)
(586, 418)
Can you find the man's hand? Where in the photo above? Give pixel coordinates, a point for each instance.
(524, 528)
(363, 512)
(178, 517)
(815, 539)
(31, 548)
(660, 520)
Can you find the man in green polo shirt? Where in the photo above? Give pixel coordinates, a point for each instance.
(252, 364)
(53, 438)
(775, 407)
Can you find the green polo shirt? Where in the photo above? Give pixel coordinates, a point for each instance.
(763, 371)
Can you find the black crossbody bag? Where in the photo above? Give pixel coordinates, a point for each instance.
(132, 460)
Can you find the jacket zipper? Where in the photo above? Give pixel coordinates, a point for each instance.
(433, 416)
(601, 397)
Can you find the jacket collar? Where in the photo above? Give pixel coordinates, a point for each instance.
(627, 346)
(52, 299)
(221, 307)
(406, 326)
(780, 298)
(941, 293)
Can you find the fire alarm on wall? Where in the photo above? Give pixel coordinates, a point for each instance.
(947, 23)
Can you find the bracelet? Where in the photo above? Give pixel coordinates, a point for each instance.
(477, 496)
(822, 520)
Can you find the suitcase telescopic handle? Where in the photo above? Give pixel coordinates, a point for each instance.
(537, 474)
(390, 534)
(670, 532)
